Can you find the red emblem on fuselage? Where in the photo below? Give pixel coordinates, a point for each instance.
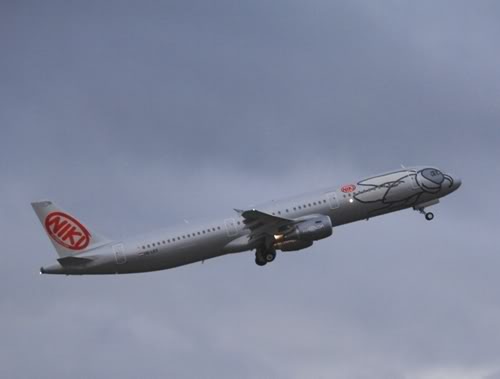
(67, 231)
(348, 188)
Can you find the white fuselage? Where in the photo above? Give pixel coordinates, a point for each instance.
(381, 194)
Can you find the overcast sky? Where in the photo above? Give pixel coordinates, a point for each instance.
(137, 115)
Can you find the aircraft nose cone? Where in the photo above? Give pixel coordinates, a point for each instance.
(457, 182)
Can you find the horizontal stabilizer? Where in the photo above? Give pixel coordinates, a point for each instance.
(73, 261)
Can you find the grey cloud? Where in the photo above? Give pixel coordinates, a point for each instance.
(136, 116)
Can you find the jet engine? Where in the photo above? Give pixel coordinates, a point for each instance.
(312, 229)
(303, 234)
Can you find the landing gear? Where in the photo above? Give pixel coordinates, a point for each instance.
(429, 216)
(259, 261)
(262, 256)
(270, 256)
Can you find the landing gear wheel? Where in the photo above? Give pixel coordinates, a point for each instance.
(270, 255)
(263, 256)
(260, 258)
(429, 216)
(260, 262)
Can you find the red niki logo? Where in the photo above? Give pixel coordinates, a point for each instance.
(348, 188)
(67, 231)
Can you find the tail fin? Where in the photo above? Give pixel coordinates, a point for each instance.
(68, 235)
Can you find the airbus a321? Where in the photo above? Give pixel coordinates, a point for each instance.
(287, 225)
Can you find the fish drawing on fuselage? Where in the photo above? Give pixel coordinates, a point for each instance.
(383, 189)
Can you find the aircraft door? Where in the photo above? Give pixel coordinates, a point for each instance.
(119, 254)
(231, 229)
(332, 200)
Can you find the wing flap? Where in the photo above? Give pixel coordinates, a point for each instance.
(255, 215)
(263, 225)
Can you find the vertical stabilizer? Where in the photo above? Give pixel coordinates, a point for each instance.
(68, 235)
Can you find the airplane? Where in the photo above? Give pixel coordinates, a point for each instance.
(287, 225)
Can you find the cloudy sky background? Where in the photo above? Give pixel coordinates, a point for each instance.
(137, 115)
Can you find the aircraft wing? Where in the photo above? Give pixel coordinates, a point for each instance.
(263, 218)
(265, 226)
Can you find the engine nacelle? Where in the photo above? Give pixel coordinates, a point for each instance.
(292, 245)
(312, 229)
